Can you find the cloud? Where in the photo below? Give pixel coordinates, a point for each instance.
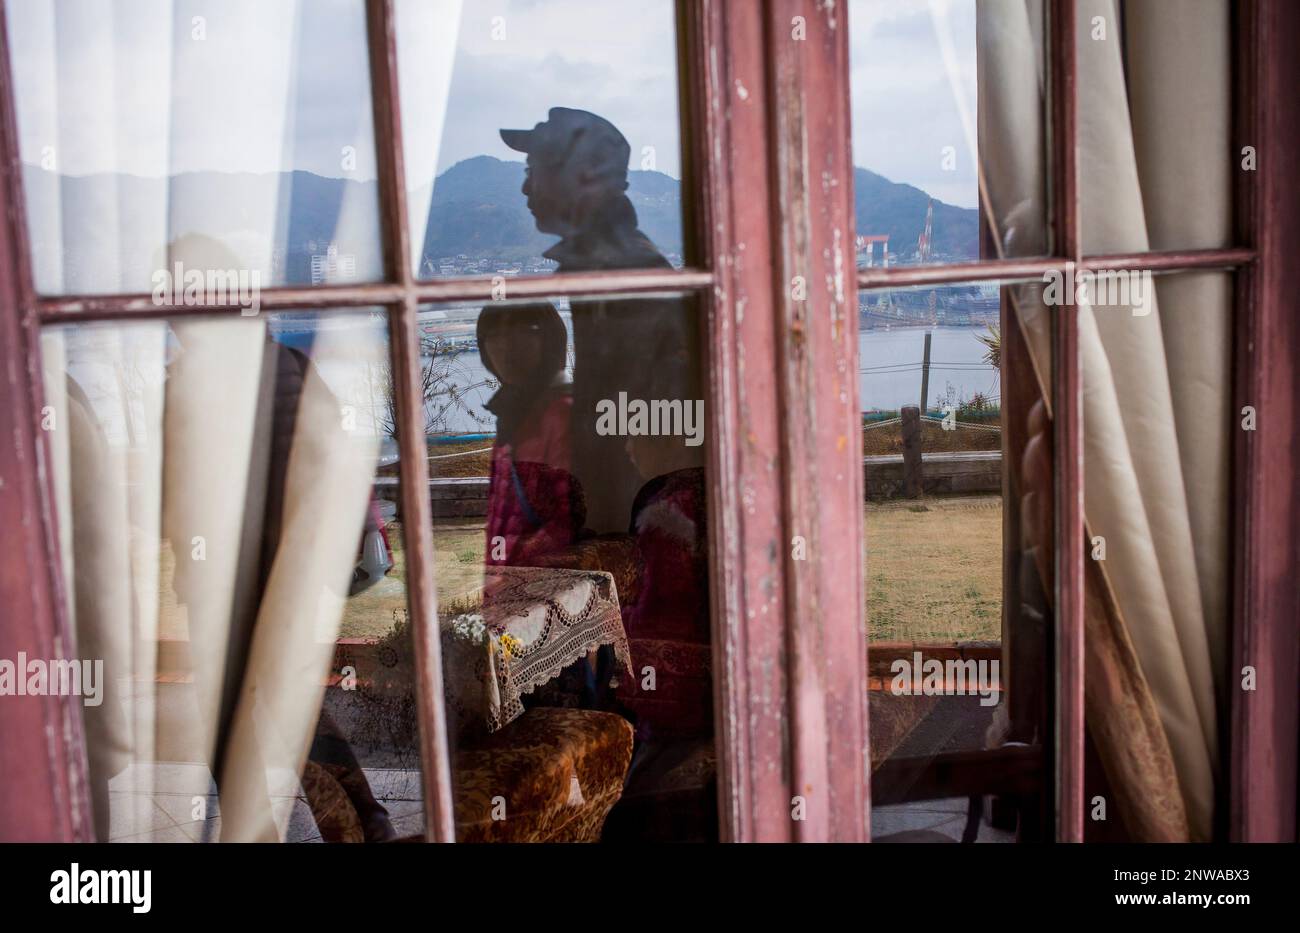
(125, 87)
(157, 88)
(614, 59)
(903, 104)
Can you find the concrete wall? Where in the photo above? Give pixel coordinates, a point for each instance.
(961, 473)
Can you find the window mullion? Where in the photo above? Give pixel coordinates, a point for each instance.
(413, 477)
(45, 769)
(1067, 425)
(820, 552)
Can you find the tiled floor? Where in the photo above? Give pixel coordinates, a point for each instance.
(177, 802)
(947, 816)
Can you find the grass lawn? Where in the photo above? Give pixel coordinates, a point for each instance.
(458, 569)
(934, 571)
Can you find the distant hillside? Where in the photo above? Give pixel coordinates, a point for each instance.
(476, 211)
(479, 211)
(883, 206)
(111, 221)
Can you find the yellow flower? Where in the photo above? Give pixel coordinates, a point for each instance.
(510, 645)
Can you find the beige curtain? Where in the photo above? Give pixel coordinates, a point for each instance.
(166, 542)
(161, 435)
(1155, 173)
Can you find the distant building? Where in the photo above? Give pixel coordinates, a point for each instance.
(331, 267)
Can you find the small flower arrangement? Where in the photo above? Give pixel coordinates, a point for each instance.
(470, 627)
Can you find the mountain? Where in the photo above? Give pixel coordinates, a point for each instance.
(86, 226)
(884, 206)
(478, 210)
(477, 221)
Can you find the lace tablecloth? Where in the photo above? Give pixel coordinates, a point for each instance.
(535, 622)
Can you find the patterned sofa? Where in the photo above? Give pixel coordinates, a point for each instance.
(550, 776)
(556, 773)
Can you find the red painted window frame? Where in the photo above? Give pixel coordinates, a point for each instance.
(768, 135)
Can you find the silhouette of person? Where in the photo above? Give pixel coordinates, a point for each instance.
(576, 185)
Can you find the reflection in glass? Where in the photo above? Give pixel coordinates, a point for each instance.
(565, 436)
(523, 125)
(948, 130)
(166, 137)
(571, 538)
(234, 560)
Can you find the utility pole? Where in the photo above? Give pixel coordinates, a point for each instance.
(925, 375)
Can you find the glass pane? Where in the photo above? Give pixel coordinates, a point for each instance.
(163, 140)
(566, 446)
(1159, 425)
(1157, 161)
(948, 130)
(235, 564)
(540, 138)
(958, 449)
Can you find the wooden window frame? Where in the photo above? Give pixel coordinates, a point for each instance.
(768, 154)
(1258, 801)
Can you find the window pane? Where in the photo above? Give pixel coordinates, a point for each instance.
(566, 445)
(948, 130)
(1159, 424)
(958, 516)
(579, 105)
(236, 572)
(1156, 158)
(163, 139)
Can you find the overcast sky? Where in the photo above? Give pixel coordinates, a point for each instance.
(131, 87)
(616, 59)
(914, 73)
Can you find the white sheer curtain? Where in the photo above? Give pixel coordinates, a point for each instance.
(1155, 173)
(426, 54)
(160, 433)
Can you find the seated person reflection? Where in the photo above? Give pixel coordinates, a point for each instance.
(535, 505)
(668, 622)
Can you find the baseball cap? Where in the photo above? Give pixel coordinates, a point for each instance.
(567, 134)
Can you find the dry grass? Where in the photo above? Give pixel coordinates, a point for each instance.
(934, 572)
(934, 569)
(459, 460)
(458, 569)
(459, 549)
(934, 439)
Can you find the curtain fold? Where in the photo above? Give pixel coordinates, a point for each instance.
(1154, 173)
(162, 435)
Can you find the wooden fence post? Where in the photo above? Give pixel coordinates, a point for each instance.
(913, 481)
